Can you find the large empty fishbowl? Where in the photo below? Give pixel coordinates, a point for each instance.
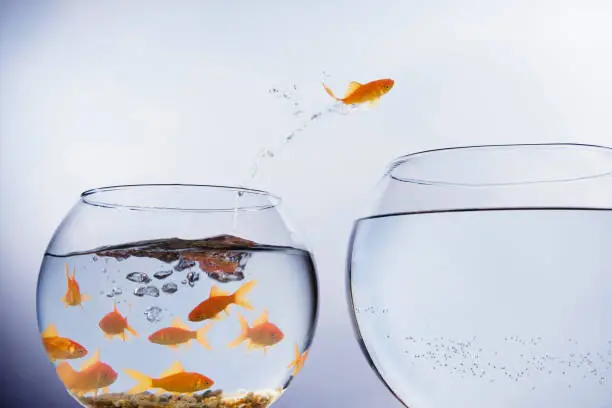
(482, 277)
(176, 295)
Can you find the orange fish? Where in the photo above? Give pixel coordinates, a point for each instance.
(93, 375)
(179, 333)
(263, 334)
(113, 324)
(219, 301)
(174, 380)
(298, 363)
(60, 348)
(359, 93)
(73, 296)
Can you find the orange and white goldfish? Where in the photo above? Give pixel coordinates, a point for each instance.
(174, 380)
(114, 324)
(73, 296)
(299, 360)
(179, 333)
(263, 334)
(219, 301)
(92, 376)
(60, 348)
(357, 93)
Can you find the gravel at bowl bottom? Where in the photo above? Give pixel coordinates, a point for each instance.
(209, 399)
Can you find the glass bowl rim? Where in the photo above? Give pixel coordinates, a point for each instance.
(404, 159)
(273, 200)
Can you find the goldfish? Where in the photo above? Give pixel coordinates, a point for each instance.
(299, 360)
(73, 296)
(357, 93)
(263, 334)
(179, 333)
(60, 348)
(92, 376)
(175, 380)
(113, 324)
(219, 301)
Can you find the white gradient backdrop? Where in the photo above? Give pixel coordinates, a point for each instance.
(118, 92)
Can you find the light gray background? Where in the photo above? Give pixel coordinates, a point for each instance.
(114, 92)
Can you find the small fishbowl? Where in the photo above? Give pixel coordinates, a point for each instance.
(177, 296)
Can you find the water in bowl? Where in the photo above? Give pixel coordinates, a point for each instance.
(156, 285)
(487, 308)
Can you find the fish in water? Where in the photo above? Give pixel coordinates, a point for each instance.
(358, 93)
(92, 376)
(61, 348)
(175, 380)
(263, 334)
(178, 333)
(73, 296)
(299, 360)
(114, 324)
(219, 301)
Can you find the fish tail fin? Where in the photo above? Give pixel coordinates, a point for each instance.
(244, 331)
(66, 373)
(297, 357)
(329, 91)
(201, 336)
(144, 381)
(240, 295)
(130, 329)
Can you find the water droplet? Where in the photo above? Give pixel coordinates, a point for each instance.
(169, 288)
(192, 278)
(162, 274)
(153, 314)
(152, 291)
(140, 291)
(138, 277)
(94, 258)
(184, 281)
(183, 264)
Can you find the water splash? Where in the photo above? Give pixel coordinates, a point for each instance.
(290, 96)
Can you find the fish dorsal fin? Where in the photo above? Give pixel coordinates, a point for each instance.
(351, 88)
(93, 360)
(175, 368)
(215, 291)
(261, 319)
(67, 271)
(50, 331)
(178, 323)
(74, 273)
(115, 306)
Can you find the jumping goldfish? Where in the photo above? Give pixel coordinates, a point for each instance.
(219, 301)
(298, 363)
(179, 333)
(359, 93)
(174, 380)
(73, 296)
(60, 348)
(263, 334)
(113, 324)
(93, 375)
